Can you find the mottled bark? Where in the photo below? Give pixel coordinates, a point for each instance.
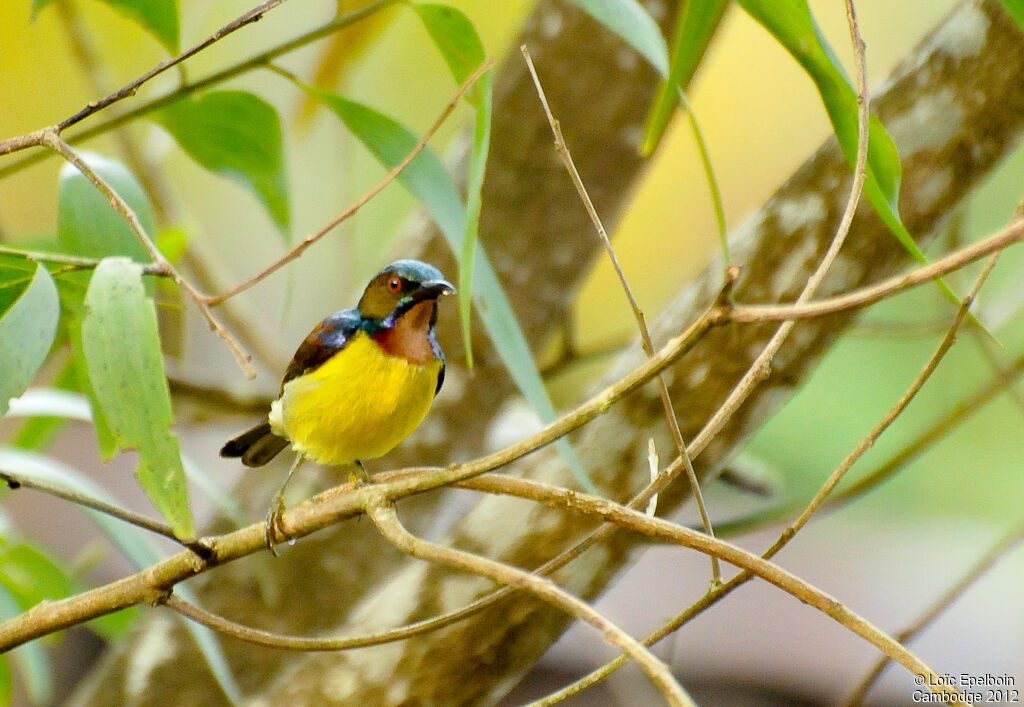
(955, 107)
(541, 244)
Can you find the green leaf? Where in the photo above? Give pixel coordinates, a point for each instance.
(238, 135)
(791, 23)
(157, 16)
(456, 38)
(133, 542)
(631, 22)
(51, 409)
(31, 576)
(104, 434)
(5, 681)
(27, 330)
(31, 658)
(1016, 10)
(695, 26)
(390, 142)
(87, 224)
(125, 364)
(38, 6)
(160, 17)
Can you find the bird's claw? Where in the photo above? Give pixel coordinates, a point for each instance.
(274, 526)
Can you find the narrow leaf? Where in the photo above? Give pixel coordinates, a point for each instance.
(87, 224)
(390, 142)
(133, 542)
(1016, 10)
(695, 26)
(31, 658)
(104, 434)
(629, 20)
(6, 685)
(160, 17)
(791, 23)
(27, 330)
(238, 135)
(125, 364)
(37, 7)
(460, 45)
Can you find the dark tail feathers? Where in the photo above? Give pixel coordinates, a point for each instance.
(256, 447)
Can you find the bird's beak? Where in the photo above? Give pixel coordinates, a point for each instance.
(432, 289)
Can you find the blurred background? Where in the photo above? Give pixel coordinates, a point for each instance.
(887, 556)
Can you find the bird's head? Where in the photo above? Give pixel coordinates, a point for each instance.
(399, 287)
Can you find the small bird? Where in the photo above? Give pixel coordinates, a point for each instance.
(359, 384)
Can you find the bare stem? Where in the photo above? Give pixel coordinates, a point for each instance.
(128, 516)
(638, 314)
(660, 529)
(53, 140)
(382, 513)
(388, 178)
(760, 369)
(721, 591)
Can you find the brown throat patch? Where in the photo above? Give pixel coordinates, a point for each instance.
(410, 336)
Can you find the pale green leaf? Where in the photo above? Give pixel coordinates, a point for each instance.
(87, 224)
(31, 658)
(27, 330)
(1016, 10)
(237, 135)
(456, 38)
(157, 16)
(629, 20)
(792, 24)
(125, 364)
(695, 26)
(132, 541)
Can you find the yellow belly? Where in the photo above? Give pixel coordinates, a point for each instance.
(359, 404)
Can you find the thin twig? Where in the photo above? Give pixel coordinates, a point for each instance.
(869, 441)
(53, 140)
(130, 89)
(721, 591)
(660, 529)
(128, 516)
(638, 314)
(388, 178)
(982, 566)
(74, 262)
(383, 515)
(869, 294)
(760, 369)
(271, 639)
(82, 46)
(340, 22)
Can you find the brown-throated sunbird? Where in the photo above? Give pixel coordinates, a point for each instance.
(359, 384)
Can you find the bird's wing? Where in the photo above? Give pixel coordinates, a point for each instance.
(328, 338)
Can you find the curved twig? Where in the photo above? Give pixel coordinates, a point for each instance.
(382, 513)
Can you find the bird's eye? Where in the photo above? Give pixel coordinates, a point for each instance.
(395, 283)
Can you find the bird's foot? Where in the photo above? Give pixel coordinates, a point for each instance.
(274, 526)
(358, 475)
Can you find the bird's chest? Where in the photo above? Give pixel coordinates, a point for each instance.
(359, 404)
